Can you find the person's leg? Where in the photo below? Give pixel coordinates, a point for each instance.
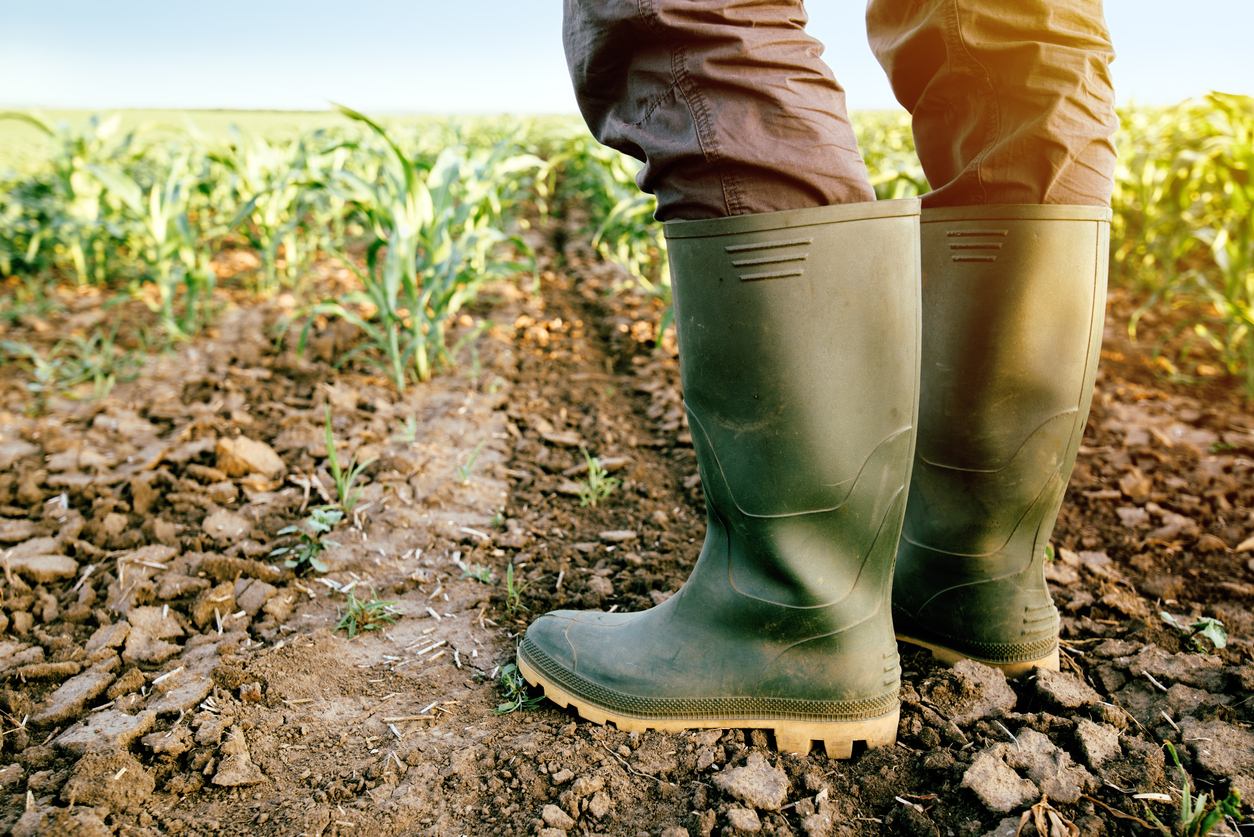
(1013, 115)
(1012, 102)
(798, 341)
(727, 102)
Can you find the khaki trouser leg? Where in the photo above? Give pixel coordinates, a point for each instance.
(733, 111)
(1011, 102)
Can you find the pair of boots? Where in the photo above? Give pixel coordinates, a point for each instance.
(809, 355)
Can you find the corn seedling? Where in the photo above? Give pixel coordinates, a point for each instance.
(479, 573)
(1204, 626)
(1198, 815)
(598, 485)
(516, 696)
(303, 556)
(344, 478)
(464, 471)
(360, 615)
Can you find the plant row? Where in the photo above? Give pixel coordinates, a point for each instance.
(432, 213)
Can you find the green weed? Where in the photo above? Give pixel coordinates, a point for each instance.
(360, 615)
(1197, 814)
(94, 360)
(464, 471)
(514, 591)
(409, 434)
(1204, 626)
(597, 486)
(516, 695)
(479, 573)
(303, 556)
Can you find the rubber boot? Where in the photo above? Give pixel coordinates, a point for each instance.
(798, 340)
(1013, 304)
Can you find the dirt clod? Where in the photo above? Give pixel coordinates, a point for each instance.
(242, 456)
(757, 784)
(1098, 742)
(996, 784)
(1064, 690)
(115, 780)
(236, 768)
(969, 692)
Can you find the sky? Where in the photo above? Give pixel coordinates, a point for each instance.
(474, 56)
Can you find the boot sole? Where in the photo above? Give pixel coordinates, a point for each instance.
(838, 738)
(948, 656)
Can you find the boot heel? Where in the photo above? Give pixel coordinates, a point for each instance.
(948, 657)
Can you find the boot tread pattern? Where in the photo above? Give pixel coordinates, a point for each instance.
(726, 708)
(791, 735)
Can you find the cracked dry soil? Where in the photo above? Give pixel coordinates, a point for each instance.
(164, 675)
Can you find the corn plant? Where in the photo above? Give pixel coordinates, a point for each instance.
(277, 184)
(171, 248)
(887, 146)
(1184, 219)
(67, 207)
(438, 230)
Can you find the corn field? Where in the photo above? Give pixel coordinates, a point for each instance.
(426, 214)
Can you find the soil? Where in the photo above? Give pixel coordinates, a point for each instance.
(165, 673)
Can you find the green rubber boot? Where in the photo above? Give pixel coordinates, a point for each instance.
(1013, 304)
(798, 340)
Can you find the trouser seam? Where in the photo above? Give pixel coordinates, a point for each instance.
(993, 131)
(683, 87)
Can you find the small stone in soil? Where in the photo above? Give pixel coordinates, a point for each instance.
(555, 817)
(237, 768)
(599, 805)
(242, 456)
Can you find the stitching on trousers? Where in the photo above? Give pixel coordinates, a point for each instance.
(994, 131)
(683, 88)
